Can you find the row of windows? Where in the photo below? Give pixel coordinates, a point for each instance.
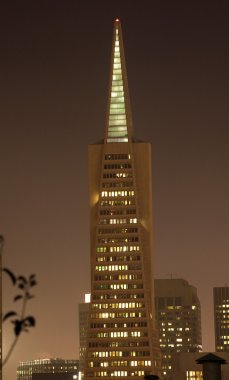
(120, 239)
(117, 77)
(165, 328)
(117, 277)
(194, 375)
(118, 334)
(128, 211)
(118, 305)
(125, 248)
(117, 286)
(124, 343)
(118, 258)
(117, 108)
(121, 325)
(117, 85)
(117, 156)
(224, 306)
(113, 268)
(117, 175)
(106, 315)
(117, 122)
(119, 93)
(124, 230)
(118, 221)
(121, 202)
(172, 314)
(117, 166)
(121, 363)
(117, 296)
(115, 373)
(106, 185)
(161, 302)
(107, 354)
(117, 129)
(122, 248)
(119, 193)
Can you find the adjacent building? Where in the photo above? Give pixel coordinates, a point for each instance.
(122, 341)
(84, 309)
(178, 318)
(26, 370)
(221, 318)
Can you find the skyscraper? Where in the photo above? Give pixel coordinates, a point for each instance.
(122, 340)
(178, 318)
(221, 317)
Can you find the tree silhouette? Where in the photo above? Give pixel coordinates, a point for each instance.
(21, 322)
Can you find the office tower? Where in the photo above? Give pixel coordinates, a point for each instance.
(178, 318)
(84, 309)
(122, 341)
(221, 317)
(26, 370)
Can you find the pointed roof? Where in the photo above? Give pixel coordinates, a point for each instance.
(119, 121)
(211, 358)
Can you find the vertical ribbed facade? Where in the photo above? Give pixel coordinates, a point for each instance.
(221, 318)
(121, 339)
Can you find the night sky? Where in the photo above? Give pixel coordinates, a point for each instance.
(55, 59)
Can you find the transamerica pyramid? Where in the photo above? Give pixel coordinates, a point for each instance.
(122, 340)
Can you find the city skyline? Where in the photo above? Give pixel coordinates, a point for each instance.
(177, 58)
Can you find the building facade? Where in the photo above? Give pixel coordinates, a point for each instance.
(122, 340)
(26, 370)
(221, 318)
(179, 320)
(84, 309)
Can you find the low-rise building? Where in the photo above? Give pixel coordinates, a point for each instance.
(26, 370)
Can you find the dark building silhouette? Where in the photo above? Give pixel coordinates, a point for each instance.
(54, 376)
(179, 320)
(221, 318)
(122, 340)
(211, 366)
(185, 367)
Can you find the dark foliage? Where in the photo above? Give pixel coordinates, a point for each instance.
(19, 320)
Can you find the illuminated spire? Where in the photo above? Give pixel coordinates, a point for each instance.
(119, 122)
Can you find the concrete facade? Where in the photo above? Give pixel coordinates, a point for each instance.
(221, 318)
(178, 318)
(122, 340)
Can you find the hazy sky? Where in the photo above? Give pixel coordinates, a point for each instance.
(55, 59)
